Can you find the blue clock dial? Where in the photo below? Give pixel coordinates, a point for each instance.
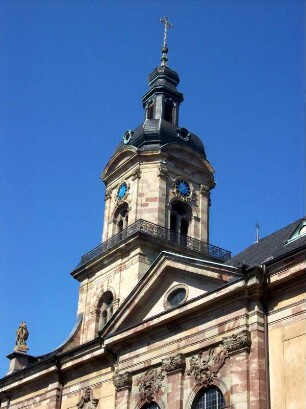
(183, 188)
(122, 190)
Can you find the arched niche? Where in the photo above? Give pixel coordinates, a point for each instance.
(105, 308)
(121, 218)
(180, 220)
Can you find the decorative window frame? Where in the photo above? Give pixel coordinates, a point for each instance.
(177, 195)
(218, 383)
(183, 134)
(159, 401)
(176, 287)
(120, 200)
(127, 136)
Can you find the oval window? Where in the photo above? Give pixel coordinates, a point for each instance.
(176, 297)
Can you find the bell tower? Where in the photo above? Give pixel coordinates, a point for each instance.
(157, 198)
(159, 172)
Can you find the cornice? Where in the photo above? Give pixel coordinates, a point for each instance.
(222, 297)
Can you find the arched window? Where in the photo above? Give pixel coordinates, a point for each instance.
(180, 218)
(211, 398)
(168, 110)
(121, 218)
(150, 110)
(106, 307)
(151, 405)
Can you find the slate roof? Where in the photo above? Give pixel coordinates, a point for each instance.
(155, 133)
(270, 247)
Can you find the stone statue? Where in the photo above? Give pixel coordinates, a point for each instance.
(22, 335)
(87, 400)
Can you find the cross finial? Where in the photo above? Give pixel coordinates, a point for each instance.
(166, 23)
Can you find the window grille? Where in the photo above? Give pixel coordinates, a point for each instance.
(209, 399)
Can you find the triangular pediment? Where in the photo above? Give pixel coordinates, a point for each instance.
(172, 282)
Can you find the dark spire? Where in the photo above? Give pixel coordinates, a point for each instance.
(162, 100)
(161, 103)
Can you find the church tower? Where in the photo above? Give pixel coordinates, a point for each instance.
(166, 319)
(157, 198)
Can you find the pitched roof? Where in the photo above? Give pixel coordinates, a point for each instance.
(270, 247)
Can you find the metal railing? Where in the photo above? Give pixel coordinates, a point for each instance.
(159, 232)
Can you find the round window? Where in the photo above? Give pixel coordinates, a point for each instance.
(176, 297)
(127, 136)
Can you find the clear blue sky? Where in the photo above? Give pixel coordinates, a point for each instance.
(72, 74)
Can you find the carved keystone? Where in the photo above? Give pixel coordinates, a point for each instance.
(205, 366)
(149, 384)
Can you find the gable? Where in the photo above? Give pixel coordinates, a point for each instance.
(118, 160)
(185, 154)
(169, 273)
(175, 284)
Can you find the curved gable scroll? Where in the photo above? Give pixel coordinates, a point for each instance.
(186, 154)
(119, 159)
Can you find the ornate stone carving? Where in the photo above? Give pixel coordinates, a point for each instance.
(204, 189)
(122, 381)
(162, 172)
(149, 384)
(195, 198)
(136, 174)
(174, 363)
(127, 136)
(22, 335)
(108, 194)
(205, 367)
(87, 400)
(237, 341)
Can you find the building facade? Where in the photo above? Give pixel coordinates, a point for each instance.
(165, 318)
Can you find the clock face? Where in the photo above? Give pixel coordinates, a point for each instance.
(183, 188)
(122, 190)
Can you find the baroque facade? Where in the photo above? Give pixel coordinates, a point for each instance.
(166, 319)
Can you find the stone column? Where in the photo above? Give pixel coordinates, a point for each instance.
(239, 368)
(257, 371)
(174, 367)
(115, 305)
(238, 349)
(123, 384)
